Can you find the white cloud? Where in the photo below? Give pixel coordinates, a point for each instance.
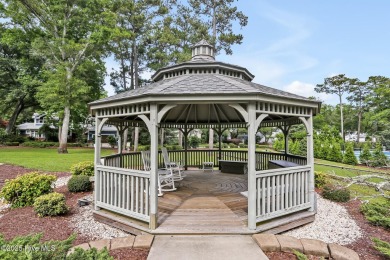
(307, 90)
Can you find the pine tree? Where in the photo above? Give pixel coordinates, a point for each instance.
(378, 157)
(349, 156)
(365, 155)
(335, 152)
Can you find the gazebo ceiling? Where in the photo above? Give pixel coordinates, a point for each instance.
(202, 90)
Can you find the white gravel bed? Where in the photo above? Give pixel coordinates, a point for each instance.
(84, 223)
(332, 225)
(61, 181)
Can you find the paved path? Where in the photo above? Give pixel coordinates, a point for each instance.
(205, 248)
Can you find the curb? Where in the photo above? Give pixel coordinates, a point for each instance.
(281, 243)
(136, 242)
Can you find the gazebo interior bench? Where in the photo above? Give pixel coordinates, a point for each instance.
(239, 167)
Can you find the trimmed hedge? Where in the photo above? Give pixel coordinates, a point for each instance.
(51, 204)
(12, 144)
(83, 168)
(40, 144)
(24, 189)
(79, 183)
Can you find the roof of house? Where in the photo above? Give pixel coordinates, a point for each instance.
(29, 126)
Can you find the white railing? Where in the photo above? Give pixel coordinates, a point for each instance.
(282, 191)
(123, 191)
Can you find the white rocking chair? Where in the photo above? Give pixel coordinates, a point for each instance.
(173, 166)
(165, 177)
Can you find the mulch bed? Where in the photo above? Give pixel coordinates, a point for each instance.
(364, 246)
(129, 253)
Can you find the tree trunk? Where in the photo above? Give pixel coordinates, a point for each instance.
(342, 119)
(63, 148)
(125, 134)
(180, 138)
(136, 137)
(15, 114)
(211, 138)
(359, 123)
(162, 137)
(136, 76)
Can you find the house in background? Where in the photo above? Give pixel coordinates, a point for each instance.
(107, 130)
(32, 129)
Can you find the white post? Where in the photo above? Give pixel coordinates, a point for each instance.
(98, 139)
(153, 166)
(310, 161)
(252, 166)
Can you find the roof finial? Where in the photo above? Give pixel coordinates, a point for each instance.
(203, 51)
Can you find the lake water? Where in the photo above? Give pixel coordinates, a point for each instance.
(357, 153)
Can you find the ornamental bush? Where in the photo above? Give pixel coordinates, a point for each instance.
(79, 183)
(83, 168)
(92, 253)
(24, 189)
(335, 153)
(349, 155)
(336, 193)
(382, 246)
(377, 213)
(18, 248)
(51, 204)
(320, 179)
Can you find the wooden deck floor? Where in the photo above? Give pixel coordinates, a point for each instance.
(204, 202)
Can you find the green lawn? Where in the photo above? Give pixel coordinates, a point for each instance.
(47, 159)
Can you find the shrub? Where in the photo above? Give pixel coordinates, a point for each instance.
(299, 255)
(377, 213)
(38, 144)
(143, 148)
(90, 254)
(320, 179)
(112, 141)
(194, 141)
(335, 153)
(177, 147)
(23, 190)
(335, 193)
(349, 156)
(79, 183)
(51, 204)
(378, 157)
(232, 145)
(48, 250)
(243, 146)
(382, 246)
(365, 156)
(12, 143)
(83, 168)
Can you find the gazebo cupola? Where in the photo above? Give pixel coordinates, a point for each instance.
(203, 62)
(203, 51)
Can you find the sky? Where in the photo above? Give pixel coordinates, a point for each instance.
(294, 45)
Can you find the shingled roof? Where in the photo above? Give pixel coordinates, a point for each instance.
(210, 84)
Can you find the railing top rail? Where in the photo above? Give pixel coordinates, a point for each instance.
(281, 171)
(131, 172)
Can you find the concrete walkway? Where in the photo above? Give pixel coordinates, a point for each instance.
(205, 247)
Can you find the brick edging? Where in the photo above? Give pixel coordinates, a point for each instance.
(282, 243)
(137, 242)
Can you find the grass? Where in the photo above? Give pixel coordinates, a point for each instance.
(46, 159)
(337, 171)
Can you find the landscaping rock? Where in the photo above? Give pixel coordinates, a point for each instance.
(143, 241)
(338, 252)
(314, 247)
(267, 242)
(288, 244)
(122, 242)
(100, 244)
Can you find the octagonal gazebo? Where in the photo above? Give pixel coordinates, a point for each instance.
(204, 93)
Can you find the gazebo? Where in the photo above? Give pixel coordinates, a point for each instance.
(205, 93)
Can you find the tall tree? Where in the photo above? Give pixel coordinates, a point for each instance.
(75, 32)
(359, 95)
(19, 72)
(220, 15)
(338, 85)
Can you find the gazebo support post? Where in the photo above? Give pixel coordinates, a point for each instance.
(98, 143)
(286, 131)
(153, 129)
(252, 166)
(185, 132)
(310, 161)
